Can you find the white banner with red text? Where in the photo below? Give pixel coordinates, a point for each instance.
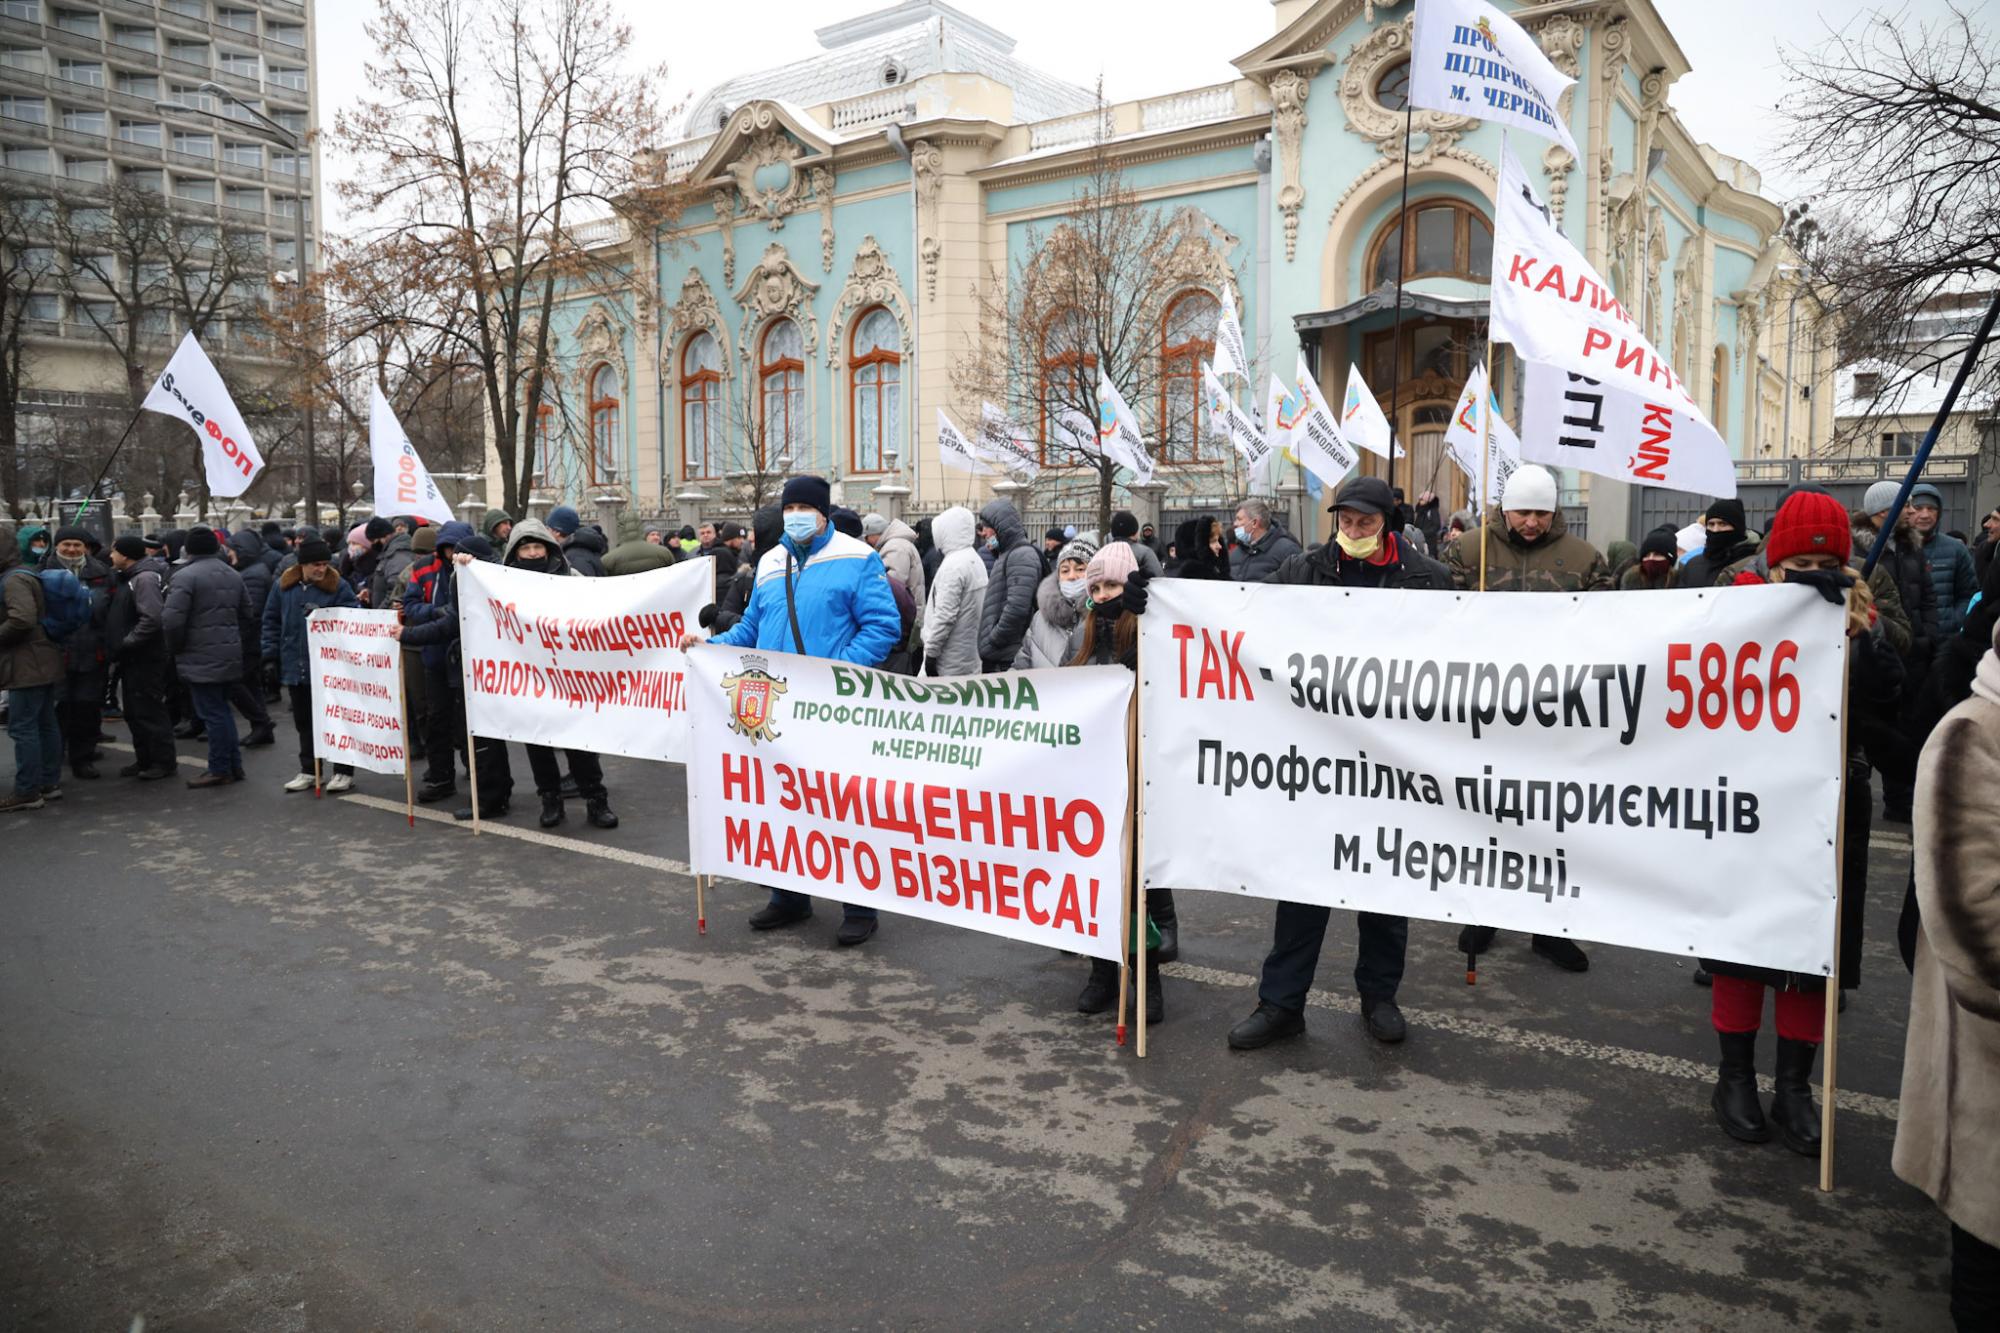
(581, 663)
(354, 665)
(995, 803)
(1661, 772)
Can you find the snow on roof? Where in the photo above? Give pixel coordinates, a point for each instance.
(918, 37)
(1916, 388)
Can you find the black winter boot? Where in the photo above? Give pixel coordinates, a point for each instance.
(1156, 999)
(1160, 906)
(1737, 1109)
(1101, 991)
(1792, 1109)
(552, 810)
(598, 810)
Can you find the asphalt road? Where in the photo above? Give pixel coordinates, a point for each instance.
(271, 1063)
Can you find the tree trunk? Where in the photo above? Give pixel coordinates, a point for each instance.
(1104, 501)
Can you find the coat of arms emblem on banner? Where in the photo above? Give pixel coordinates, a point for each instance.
(753, 693)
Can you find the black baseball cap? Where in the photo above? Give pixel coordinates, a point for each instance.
(1364, 495)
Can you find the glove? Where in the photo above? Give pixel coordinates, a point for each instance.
(706, 616)
(1135, 591)
(1830, 584)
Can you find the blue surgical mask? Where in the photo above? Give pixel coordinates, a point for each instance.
(801, 528)
(993, 544)
(1242, 537)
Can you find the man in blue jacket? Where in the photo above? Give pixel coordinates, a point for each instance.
(820, 593)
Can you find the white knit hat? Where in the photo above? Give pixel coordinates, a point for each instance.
(1531, 487)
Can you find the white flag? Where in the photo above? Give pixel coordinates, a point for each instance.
(1003, 443)
(1227, 419)
(189, 390)
(403, 484)
(1469, 59)
(1467, 435)
(1076, 431)
(1361, 419)
(1118, 431)
(1570, 421)
(955, 452)
(1557, 311)
(1231, 357)
(1316, 439)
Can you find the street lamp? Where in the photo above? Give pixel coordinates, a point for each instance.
(284, 137)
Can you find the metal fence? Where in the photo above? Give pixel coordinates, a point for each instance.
(1765, 483)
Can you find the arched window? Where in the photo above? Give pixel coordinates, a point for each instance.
(875, 362)
(701, 398)
(1450, 240)
(781, 392)
(1187, 338)
(1069, 371)
(1718, 392)
(605, 438)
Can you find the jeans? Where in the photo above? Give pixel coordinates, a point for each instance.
(302, 718)
(1294, 956)
(144, 676)
(211, 705)
(31, 722)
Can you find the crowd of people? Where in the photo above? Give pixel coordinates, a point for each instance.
(183, 631)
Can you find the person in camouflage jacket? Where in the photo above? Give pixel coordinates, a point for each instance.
(1529, 549)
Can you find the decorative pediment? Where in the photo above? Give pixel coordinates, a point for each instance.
(767, 153)
(777, 287)
(1302, 43)
(697, 309)
(598, 337)
(869, 282)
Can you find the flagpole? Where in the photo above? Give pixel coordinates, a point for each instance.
(1485, 461)
(90, 496)
(1402, 247)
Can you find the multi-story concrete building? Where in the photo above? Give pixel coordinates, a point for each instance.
(206, 105)
(849, 209)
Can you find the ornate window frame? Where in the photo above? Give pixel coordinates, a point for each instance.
(883, 394)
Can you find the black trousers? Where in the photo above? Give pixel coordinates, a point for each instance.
(496, 775)
(80, 715)
(143, 676)
(1975, 1282)
(584, 766)
(1294, 956)
(302, 718)
(247, 695)
(444, 726)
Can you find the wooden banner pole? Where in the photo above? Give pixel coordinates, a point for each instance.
(317, 791)
(1125, 916)
(409, 777)
(700, 905)
(472, 775)
(1830, 1051)
(1138, 807)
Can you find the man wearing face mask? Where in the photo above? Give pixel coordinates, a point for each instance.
(1729, 541)
(1362, 554)
(1261, 545)
(1016, 572)
(823, 594)
(1529, 549)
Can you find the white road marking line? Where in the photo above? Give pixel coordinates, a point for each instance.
(1647, 1062)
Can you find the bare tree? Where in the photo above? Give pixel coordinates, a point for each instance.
(1897, 124)
(1089, 298)
(26, 271)
(504, 135)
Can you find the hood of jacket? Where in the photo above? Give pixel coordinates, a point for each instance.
(248, 546)
(1057, 609)
(587, 538)
(954, 529)
(1005, 520)
(327, 582)
(10, 550)
(26, 537)
(529, 529)
(492, 519)
(898, 528)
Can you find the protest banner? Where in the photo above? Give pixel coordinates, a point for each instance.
(995, 803)
(1468, 58)
(956, 452)
(1570, 421)
(1006, 443)
(1231, 355)
(355, 667)
(403, 484)
(1660, 772)
(190, 390)
(579, 663)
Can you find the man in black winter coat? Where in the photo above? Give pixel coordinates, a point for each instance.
(135, 644)
(1261, 545)
(207, 618)
(1729, 541)
(1363, 554)
(245, 553)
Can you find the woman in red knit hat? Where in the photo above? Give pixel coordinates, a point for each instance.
(1810, 541)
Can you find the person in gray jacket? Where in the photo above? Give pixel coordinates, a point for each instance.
(1058, 608)
(1010, 589)
(957, 597)
(1261, 545)
(207, 619)
(896, 542)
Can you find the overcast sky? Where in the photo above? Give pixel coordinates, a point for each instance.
(1726, 100)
